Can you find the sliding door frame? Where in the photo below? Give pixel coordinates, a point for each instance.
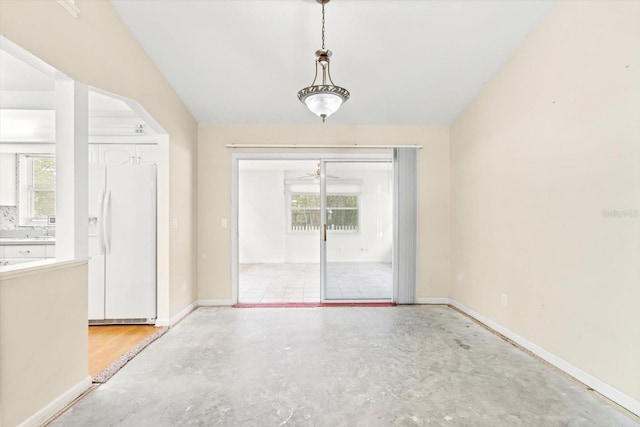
(235, 187)
(324, 263)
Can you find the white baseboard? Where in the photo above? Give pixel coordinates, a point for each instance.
(600, 386)
(445, 301)
(215, 302)
(58, 404)
(177, 317)
(164, 321)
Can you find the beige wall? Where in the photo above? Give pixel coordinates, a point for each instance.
(539, 160)
(42, 312)
(214, 193)
(97, 48)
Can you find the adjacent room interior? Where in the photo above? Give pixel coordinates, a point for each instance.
(280, 229)
(125, 147)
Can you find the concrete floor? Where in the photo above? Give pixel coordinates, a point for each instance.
(300, 282)
(347, 366)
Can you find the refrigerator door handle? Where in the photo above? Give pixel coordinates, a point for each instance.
(100, 224)
(106, 222)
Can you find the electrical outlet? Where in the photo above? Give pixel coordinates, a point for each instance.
(503, 300)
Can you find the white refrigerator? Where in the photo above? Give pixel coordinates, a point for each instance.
(122, 243)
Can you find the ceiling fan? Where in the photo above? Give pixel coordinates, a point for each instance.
(315, 175)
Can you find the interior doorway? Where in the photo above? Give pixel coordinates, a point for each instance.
(313, 229)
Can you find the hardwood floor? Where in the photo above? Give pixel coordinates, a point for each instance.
(108, 342)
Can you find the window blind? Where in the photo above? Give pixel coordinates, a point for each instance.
(405, 225)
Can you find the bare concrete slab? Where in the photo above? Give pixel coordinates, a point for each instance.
(347, 366)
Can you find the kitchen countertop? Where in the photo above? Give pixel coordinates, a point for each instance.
(11, 241)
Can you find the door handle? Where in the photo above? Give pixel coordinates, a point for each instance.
(106, 222)
(100, 224)
(324, 236)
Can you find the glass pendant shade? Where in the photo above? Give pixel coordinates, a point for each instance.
(326, 98)
(323, 104)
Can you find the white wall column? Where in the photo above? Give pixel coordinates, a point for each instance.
(163, 241)
(72, 133)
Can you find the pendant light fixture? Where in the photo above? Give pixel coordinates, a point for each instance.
(323, 99)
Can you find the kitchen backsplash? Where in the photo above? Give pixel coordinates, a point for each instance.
(8, 217)
(9, 223)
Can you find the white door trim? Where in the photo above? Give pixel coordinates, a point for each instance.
(235, 159)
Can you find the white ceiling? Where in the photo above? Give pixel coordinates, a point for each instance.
(19, 78)
(16, 75)
(405, 62)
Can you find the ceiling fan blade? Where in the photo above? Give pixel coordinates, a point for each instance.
(307, 176)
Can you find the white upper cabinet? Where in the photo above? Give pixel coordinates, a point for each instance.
(118, 154)
(148, 154)
(127, 154)
(94, 154)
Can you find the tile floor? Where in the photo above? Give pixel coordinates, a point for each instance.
(278, 283)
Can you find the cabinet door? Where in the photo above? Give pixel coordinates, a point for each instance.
(118, 154)
(24, 251)
(94, 154)
(148, 154)
(50, 251)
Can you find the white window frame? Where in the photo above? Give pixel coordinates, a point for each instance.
(357, 208)
(25, 193)
(289, 209)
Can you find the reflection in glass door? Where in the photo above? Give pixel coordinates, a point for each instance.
(357, 221)
(278, 229)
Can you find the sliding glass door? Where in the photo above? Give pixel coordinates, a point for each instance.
(278, 225)
(313, 230)
(356, 230)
